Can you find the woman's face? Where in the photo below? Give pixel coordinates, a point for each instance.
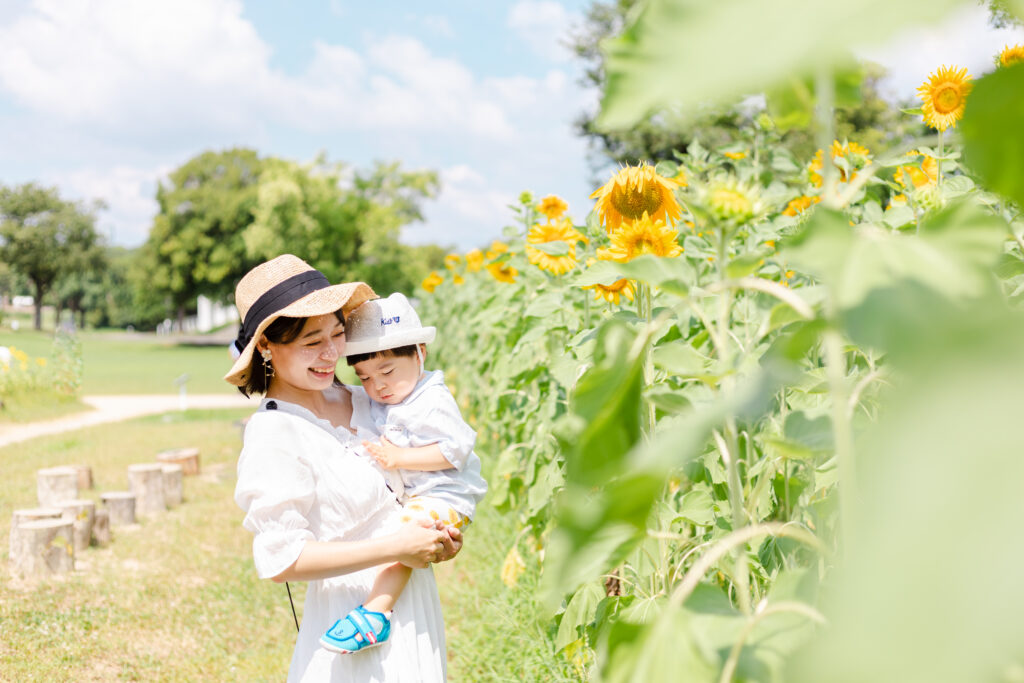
(307, 362)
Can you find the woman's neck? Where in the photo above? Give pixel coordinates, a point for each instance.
(329, 404)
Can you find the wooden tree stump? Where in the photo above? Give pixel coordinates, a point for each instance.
(174, 487)
(41, 548)
(84, 476)
(146, 481)
(82, 514)
(23, 515)
(120, 507)
(188, 458)
(101, 527)
(56, 484)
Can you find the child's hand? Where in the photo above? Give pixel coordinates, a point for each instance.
(387, 454)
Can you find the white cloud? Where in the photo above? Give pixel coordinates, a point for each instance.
(128, 192)
(468, 213)
(965, 39)
(124, 65)
(544, 26)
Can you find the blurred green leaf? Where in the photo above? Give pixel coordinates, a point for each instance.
(578, 613)
(685, 53)
(672, 274)
(679, 358)
(993, 133)
(554, 248)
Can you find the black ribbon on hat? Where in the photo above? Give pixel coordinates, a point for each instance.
(277, 297)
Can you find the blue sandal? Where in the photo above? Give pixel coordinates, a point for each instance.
(354, 632)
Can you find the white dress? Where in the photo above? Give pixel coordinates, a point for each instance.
(299, 479)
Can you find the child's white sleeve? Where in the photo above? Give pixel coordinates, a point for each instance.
(443, 424)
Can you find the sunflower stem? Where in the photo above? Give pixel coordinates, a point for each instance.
(942, 153)
(824, 89)
(835, 368)
(643, 309)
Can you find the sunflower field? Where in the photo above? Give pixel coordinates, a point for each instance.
(757, 415)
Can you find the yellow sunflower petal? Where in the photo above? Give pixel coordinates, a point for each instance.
(944, 96)
(634, 191)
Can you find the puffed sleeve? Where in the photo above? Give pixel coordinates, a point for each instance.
(443, 424)
(276, 490)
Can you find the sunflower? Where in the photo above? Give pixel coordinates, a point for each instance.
(451, 261)
(553, 232)
(458, 279)
(1011, 55)
(552, 206)
(634, 191)
(736, 156)
(612, 293)
(644, 236)
(431, 282)
(855, 155)
(729, 199)
(944, 95)
(897, 200)
(502, 272)
(799, 205)
(474, 260)
(912, 176)
(497, 249)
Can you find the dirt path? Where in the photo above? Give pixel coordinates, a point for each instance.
(116, 408)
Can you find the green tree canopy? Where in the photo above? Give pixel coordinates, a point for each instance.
(221, 213)
(45, 238)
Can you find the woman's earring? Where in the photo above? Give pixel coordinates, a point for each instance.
(268, 369)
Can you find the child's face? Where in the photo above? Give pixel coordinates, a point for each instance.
(388, 379)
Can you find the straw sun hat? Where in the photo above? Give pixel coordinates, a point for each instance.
(288, 287)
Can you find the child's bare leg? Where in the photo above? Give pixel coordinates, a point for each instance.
(389, 585)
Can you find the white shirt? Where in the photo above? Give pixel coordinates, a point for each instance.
(428, 415)
(300, 479)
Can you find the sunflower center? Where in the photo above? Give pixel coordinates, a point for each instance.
(632, 202)
(947, 99)
(645, 246)
(730, 202)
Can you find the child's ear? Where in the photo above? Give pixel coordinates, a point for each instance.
(423, 350)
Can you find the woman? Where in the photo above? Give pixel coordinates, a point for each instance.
(318, 511)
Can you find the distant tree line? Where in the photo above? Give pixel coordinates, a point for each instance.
(219, 214)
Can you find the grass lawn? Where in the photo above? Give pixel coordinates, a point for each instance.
(177, 598)
(123, 363)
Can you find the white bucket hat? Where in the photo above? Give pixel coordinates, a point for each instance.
(384, 324)
(285, 286)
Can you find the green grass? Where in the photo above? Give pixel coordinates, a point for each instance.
(122, 363)
(28, 407)
(177, 599)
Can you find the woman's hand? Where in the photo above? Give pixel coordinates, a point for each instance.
(423, 542)
(452, 544)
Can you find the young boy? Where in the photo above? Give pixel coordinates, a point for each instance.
(425, 448)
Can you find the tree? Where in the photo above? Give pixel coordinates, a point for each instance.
(42, 236)
(346, 224)
(195, 245)
(861, 117)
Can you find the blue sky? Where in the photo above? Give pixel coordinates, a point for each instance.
(102, 98)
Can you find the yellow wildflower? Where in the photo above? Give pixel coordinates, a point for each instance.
(502, 272)
(458, 279)
(41, 362)
(613, 292)
(1011, 55)
(798, 206)
(497, 249)
(553, 232)
(634, 191)
(645, 236)
(944, 96)
(474, 260)
(431, 282)
(735, 155)
(552, 206)
(451, 261)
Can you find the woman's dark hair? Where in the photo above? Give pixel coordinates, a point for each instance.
(281, 331)
(409, 350)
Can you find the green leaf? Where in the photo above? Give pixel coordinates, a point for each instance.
(544, 305)
(661, 59)
(671, 274)
(744, 265)
(553, 248)
(679, 358)
(697, 507)
(992, 131)
(668, 400)
(578, 613)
